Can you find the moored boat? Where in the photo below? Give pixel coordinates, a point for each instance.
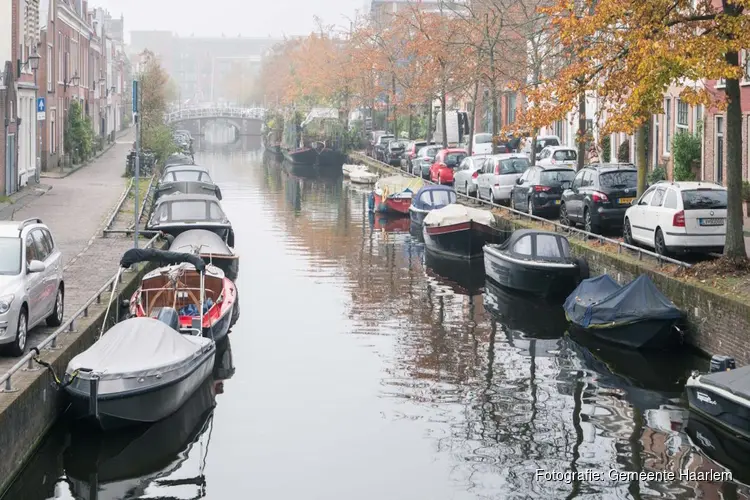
(176, 213)
(460, 232)
(186, 179)
(636, 315)
(211, 248)
(347, 169)
(177, 159)
(535, 262)
(170, 294)
(430, 198)
(393, 194)
(363, 177)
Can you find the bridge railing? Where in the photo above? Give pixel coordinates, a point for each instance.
(216, 112)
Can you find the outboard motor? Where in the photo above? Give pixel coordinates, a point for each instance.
(722, 363)
(169, 316)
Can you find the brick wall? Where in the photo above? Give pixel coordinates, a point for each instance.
(709, 147)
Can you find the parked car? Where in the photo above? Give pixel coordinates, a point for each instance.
(675, 217)
(499, 175)
(482, 144)
(381, 146)
(599, 196)
(542, 142)
(465, 176)
(445, 162)
(31, 282)
(539, 190)
(557, 156)
(394, 151)
(425, 159)
(410, 154)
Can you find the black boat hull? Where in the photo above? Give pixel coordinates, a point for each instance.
(722, 446)
(465, 277)
(135, 408)
(462, 241)
(301, 157)
(728, 412)
(648, 334)
(417, 216)
(331, 159)
(546, 281)
(220, 329)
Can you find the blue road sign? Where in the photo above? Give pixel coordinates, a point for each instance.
(40, 105)
(135, 96)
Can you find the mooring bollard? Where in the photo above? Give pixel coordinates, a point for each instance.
(71, 327)
(8, 387)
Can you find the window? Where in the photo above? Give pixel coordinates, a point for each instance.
(10, 256)
(216, 212)
(555, 178)
(465, 165)
(565, 155)
(510, 109)
(588, 178)
(578, 182)
(523, 246)
(186, 176)
(682, 114)
(49, 68)
(719, 142)
(30, 249)
(704, 199)
(745, 62)
(619, 179)
(646, 198)
(483, 138)
(657, 198)
(544, 154)
(559, 127)
(671, 200)
(667, 125)
(187, 210)
(426, 199)
(443, 198)
(514, 166)
(42, 251)
(60, 52)
(546, 246)
(453, 159)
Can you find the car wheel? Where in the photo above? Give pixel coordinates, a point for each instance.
(492, 197)
(529, 207)
(564, 218)
(56, 318)
(18, 346)
(513, 202)
(659, 244)
(588, 224)
(627, 233)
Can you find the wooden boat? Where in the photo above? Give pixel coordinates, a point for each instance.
(460, 232)
(170, 294)
(347, 169)
(536, 262)
(393, 194)
(636, 315)
(211, 248)
(363, 177)
(430, 198)
(176, 213)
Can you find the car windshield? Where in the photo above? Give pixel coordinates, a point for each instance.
(619, 179)
(431, 152)
(701, 199)
(565, 155)
(386, 139)
(483, 138)
(396, 145)
(548, 142)
(454, 158)
(555, 178)
(10, 256)
(186, 175)
(514, 166)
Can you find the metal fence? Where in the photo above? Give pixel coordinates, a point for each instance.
(26, 363)
(584, 235)
(118, 207)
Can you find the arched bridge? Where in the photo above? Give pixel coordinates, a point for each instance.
(247, 121)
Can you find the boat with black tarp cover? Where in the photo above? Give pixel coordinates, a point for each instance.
(176, 213)
(210, 247)
(636, 315)
(186, 179)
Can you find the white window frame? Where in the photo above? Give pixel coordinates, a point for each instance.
(686, 125)
(667, 126)
(745, 65)
(716, 152)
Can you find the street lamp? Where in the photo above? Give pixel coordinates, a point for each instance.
(75, 78)
(33, 63)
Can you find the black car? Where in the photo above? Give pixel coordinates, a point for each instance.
(539, 190)
(393, 153)
(599, 196)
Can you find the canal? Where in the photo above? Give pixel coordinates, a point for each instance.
(356, 371)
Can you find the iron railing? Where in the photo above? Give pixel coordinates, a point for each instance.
(216, 112)
(26, 363)
(585, 235)
(118, 207)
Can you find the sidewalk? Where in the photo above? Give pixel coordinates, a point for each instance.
(76, 208)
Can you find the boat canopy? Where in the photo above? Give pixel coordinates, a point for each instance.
(396, 184)
(602, 302)
(178, 159)
(457, 214)
(433, 197)
(200, 241)
(137, 347)
(735, 381)
(182, 208)
(534, 245)
(161, 258)
(321, 114)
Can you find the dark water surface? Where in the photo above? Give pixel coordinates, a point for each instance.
(355, 372)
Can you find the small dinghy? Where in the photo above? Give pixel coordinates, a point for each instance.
(535, 262)
(348, 169)
(430, 198)
(723, 395)
(141, 370)
(363, 177)
(460, 232)
(393, 194)
(636, 315)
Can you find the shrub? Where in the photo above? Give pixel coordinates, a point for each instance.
(606, 144)
(659, 173)
(623, 152)
(745, 191)
(686, 148)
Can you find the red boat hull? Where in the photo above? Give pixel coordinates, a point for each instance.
(392, 205)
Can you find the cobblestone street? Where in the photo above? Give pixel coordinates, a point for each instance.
(76, 209)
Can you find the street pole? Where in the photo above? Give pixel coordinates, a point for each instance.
(38, 135)
(136, 184)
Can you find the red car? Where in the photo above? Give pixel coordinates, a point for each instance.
(446, 161)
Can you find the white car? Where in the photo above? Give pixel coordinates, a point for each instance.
(499, 175)
(542, 142)
(481, 144)
(679, 217)
(465, 176)
(557, 156)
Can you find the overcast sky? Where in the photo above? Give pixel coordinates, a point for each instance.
(231, 17)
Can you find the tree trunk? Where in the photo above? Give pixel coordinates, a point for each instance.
(395, 106)
(472, 117)
(641, 157)
(532, 156)
(387, 112)
(411, 116)
(428, 134)
(581, 131)
(443, 119)
(495, 114)
(734, 245)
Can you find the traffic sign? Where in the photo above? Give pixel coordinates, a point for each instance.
(41, 108)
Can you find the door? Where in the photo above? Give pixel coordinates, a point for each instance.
(11, 181)
(572, 200)
(35, 284)
(640, 227)
(521, 191)
(44, 254)
(483, 181)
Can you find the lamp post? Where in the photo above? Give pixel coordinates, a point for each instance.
(33, 63)
(102, 126)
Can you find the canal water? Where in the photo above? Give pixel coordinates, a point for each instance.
(358, 370)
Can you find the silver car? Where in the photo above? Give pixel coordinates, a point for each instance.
(498, 176)
(467, 173)
(425, 157)
(31, 282)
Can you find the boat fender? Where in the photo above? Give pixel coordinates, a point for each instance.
(583, 268)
